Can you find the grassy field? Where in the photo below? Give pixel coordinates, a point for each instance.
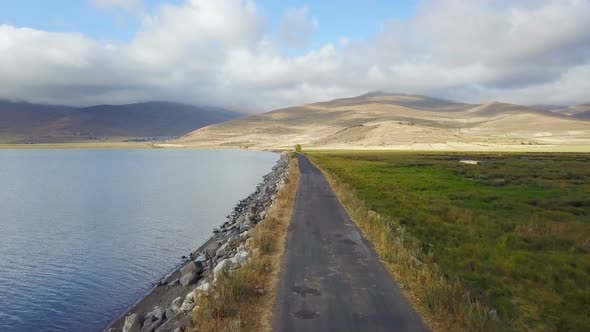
(514, 230)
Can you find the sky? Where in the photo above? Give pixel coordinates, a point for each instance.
(260, 55)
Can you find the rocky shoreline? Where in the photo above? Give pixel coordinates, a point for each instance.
(168, 305)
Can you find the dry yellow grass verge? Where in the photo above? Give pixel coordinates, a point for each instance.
(242, 300)
(444, 303)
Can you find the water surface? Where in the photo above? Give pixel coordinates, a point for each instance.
(85, 233)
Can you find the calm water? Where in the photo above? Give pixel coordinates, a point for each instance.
(84, 234)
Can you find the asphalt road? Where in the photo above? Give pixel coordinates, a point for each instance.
(332, 279)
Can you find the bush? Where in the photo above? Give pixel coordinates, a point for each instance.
(298, 148)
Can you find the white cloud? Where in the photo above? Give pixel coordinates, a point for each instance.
(221, 52)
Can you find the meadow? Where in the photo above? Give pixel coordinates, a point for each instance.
(513, 230)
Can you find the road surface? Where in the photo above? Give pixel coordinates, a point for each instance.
(332, 279)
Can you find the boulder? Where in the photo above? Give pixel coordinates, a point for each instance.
(245, 227)
(152, 326)
(241, 219)
(132, 323)
(188, 279)
(224, 264)
(191, 267)
(191, 296)
(157, 313)
(204, 287)
(187, 305)
(180, 323)
(223, 250)
(212, 248)
(153, 319)
(175, 305)
(241, 257)
(201, 258)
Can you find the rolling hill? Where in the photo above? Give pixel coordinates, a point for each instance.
(397, 121)
(33, 123)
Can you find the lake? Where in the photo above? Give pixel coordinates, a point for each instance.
(85, 233)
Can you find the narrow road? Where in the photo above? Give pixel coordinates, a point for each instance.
(332, 279)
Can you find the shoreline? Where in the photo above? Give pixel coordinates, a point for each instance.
(433, 147)
(160, 309)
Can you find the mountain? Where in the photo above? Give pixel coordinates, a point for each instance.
(34, 123)
(397, 121)
(581, 111)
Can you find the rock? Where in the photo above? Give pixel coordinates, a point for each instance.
(190, 296)
(234, 262)
(132, 323)
(181, 323)
(157, 313)
(212, 248)
(191, 267)
(187, 306)
(204, 287)
(223, 250)
(188, 279)
(224, 264)
(175, 305)
(174, 282)
(152, 326)
(174, 308)
(245, 227)
(241, 257)
(202, 258)
(153, 319)
(241, 219)
(171, 325)
(252, 217)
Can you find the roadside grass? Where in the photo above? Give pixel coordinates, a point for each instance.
(502, 245)
(242, 300)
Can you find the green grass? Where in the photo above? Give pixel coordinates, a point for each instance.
(515, 230)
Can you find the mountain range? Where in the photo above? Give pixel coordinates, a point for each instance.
(409, 122)
(35, 123)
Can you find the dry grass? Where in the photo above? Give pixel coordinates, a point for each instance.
(442, 301)
(242, 300)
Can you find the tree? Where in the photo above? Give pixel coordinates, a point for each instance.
(298, 148)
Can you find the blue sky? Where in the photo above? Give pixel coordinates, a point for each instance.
(353, 19)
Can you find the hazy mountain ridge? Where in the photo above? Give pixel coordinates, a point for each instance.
(34, 123)
(397, 121)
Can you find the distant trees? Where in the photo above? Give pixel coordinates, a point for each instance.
(298, 148)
